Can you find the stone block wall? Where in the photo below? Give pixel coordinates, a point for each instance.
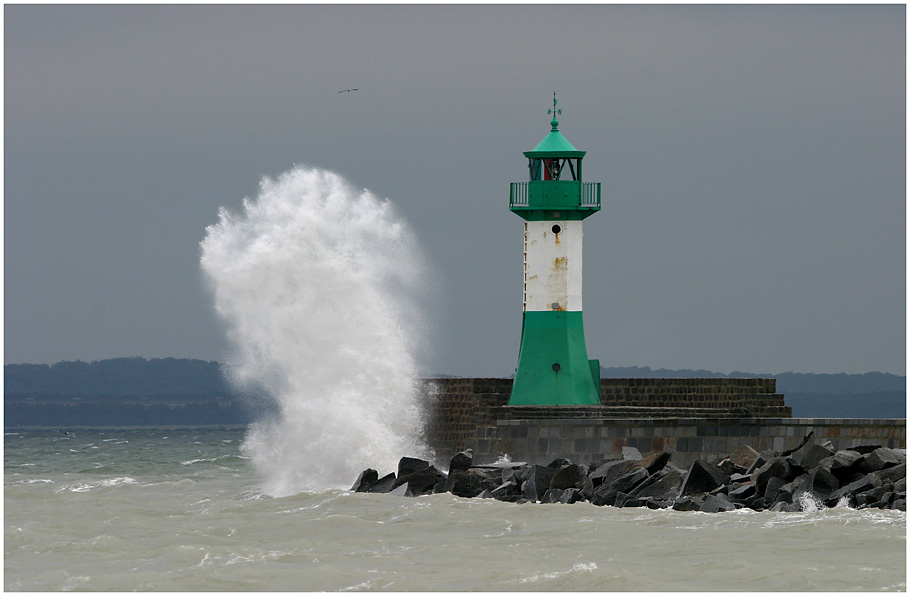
(690, 418)
(743, 396)
(686, 439)
(456, 407)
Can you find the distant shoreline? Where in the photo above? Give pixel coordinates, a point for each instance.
(186, 393)
(14, 429)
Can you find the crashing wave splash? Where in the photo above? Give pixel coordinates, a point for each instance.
(315, 282)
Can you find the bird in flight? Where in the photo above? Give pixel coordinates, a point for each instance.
(347, 90)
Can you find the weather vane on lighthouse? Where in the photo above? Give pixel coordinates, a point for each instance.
(553, 365)
(554, 111)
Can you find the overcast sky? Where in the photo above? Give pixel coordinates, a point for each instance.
(752, 161)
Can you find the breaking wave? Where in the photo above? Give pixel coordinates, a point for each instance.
(315, 282)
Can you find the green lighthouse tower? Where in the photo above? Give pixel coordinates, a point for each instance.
(553, 366)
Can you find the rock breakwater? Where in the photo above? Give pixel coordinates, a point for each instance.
(813, 476)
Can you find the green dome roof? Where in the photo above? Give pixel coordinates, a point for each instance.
(554, 145)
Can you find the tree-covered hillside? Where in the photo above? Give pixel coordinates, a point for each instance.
(117, 376)
(162, 391)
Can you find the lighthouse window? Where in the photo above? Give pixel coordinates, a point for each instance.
(554, 168)
(551, 169)
(556, 229)
(556, 368)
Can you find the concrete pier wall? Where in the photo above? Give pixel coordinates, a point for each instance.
(690, 418)
(686, 439)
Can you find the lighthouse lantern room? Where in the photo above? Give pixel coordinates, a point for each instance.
(553, 365)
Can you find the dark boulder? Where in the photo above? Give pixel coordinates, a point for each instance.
(587, 488)
(461, 460)
(465, 483)
(844, 465)
(754, 502)
(793, 491)
(729, 468)
(715, 503)
(849, 491)
(821, 482)
(509, 491)
(384, 484)
(559, 462)
(530, 491)
(761, 460)
(612, 470)
(841, 459)
(664, 485)
(702, 477)
(409, 465)
(741, 493)
(516, 472)
(776, 467)
(571, 476)
(872, 496)
(720, 490)
(605, 494)
(599, 462)
(422, 481)
(892, 474)
(571, 495)
(796, 469)
(654, 462)
(652, 503)
(868, 476)
(552, 495)
(366, 479)
(758, 503)
(688, 504)
(784, 495)
(784, 506)
(864, 449)
(771, 489)
(813, 456)
(627, 500)
(536, 482)
(880, 459)
(520, 473)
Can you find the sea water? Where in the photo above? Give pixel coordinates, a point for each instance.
(184, 510)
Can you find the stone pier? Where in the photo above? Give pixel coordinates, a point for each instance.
(689, 418)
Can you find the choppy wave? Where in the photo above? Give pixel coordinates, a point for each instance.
(204, 527)
(81, 487)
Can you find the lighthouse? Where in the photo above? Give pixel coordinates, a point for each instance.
(553, 365)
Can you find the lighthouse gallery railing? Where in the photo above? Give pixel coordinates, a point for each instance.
(589, 197)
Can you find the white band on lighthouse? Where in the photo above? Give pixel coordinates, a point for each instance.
(553, 265)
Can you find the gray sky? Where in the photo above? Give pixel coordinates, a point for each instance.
(752, 161)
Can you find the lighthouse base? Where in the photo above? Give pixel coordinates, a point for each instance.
(553, 366)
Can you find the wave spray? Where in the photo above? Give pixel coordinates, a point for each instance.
(315, 282)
